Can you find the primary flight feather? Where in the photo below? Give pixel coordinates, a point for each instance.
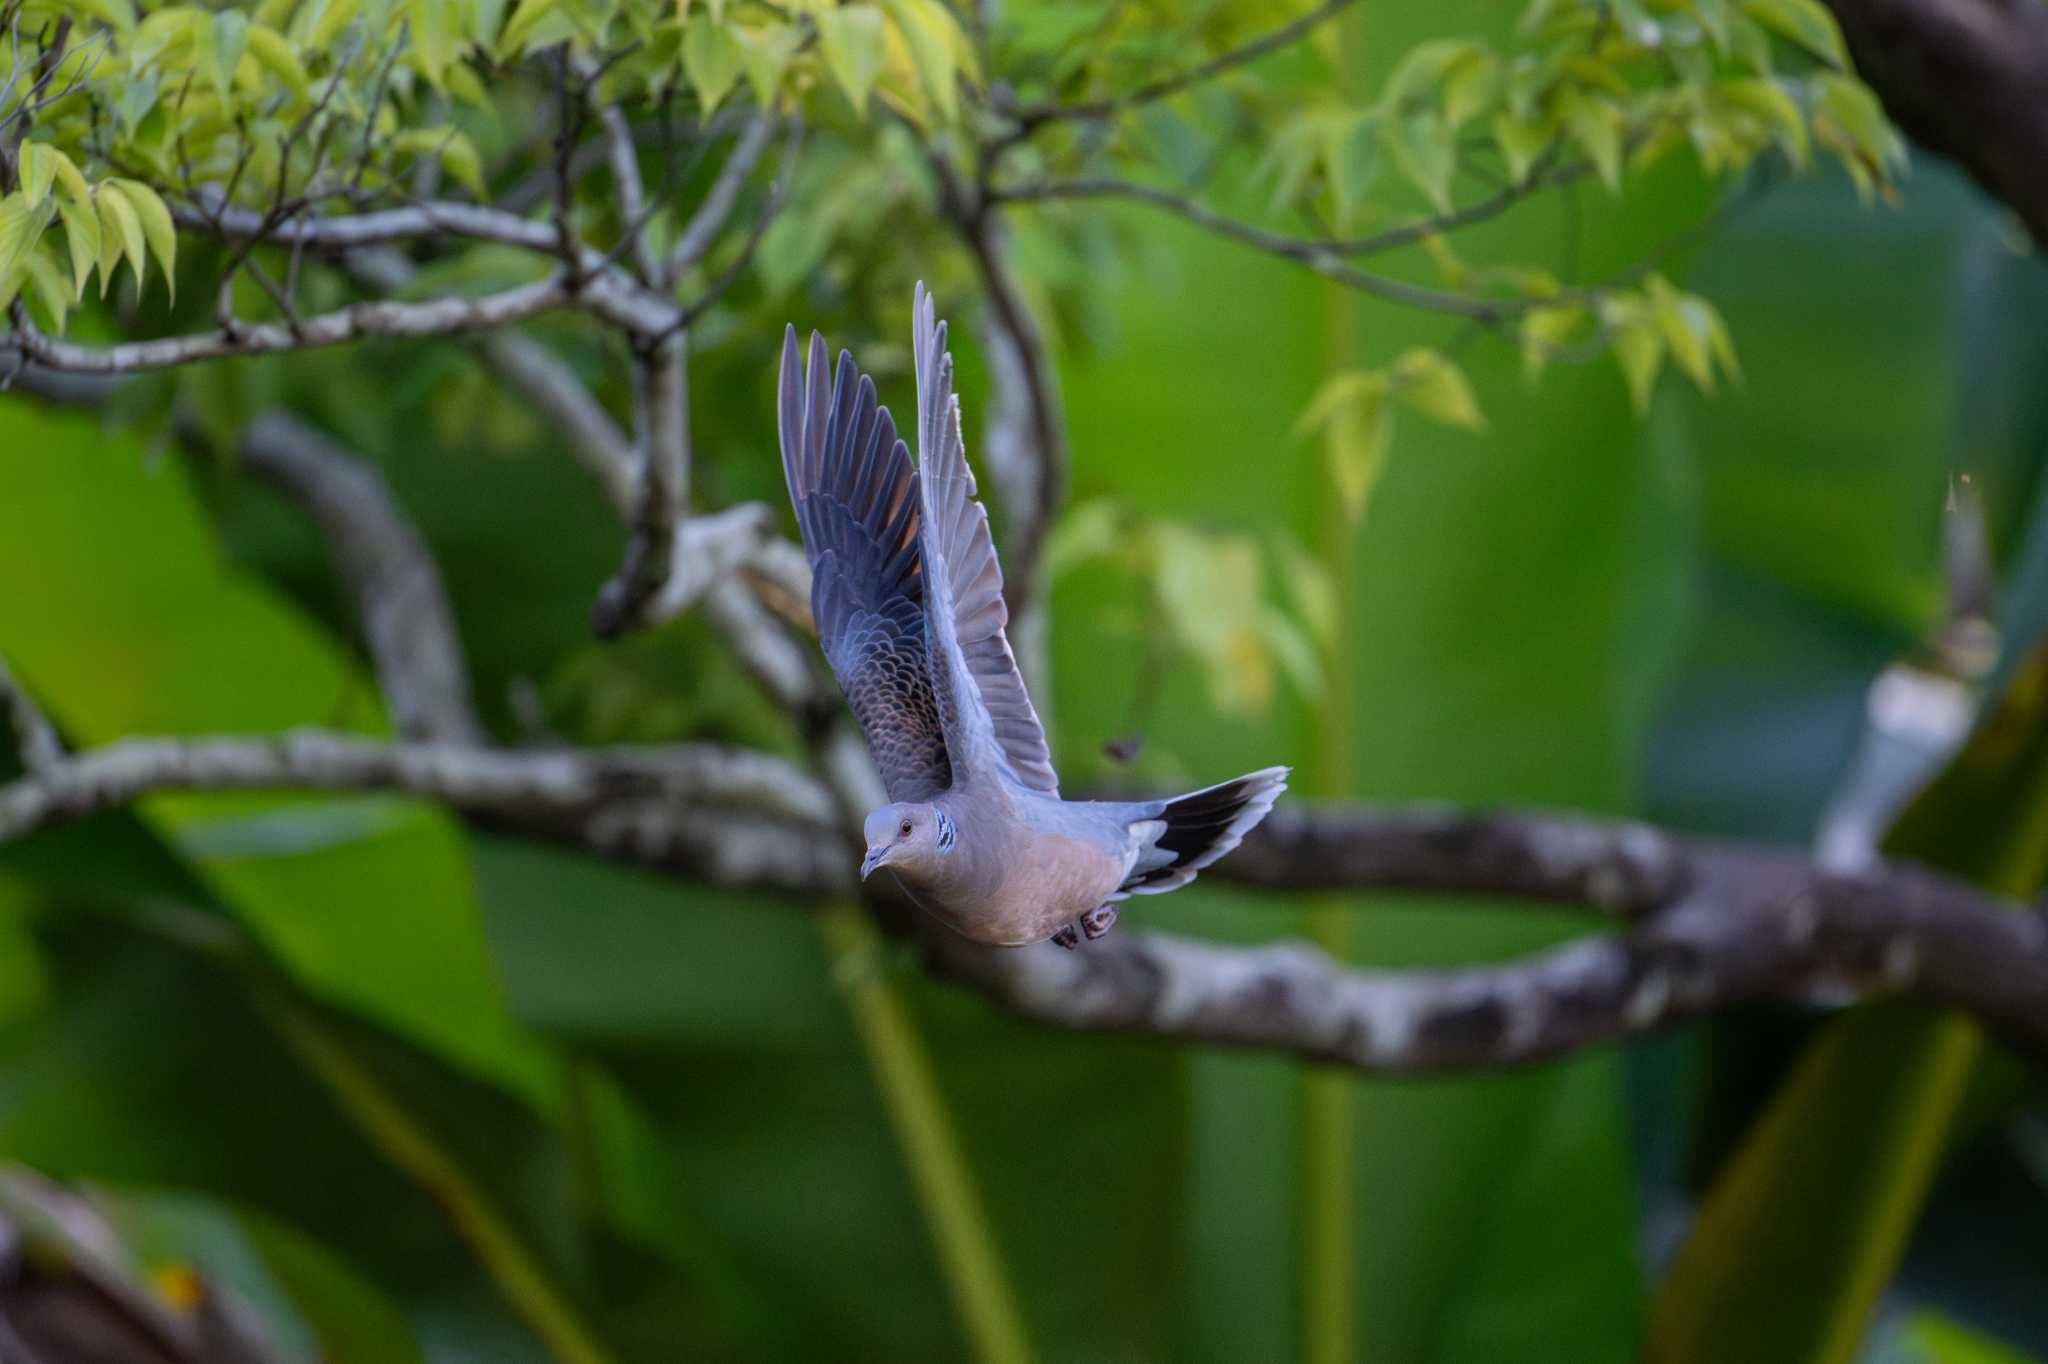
(908, 598)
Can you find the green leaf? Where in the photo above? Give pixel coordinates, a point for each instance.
(1436, 387)
(711, 59)
(1544, 330)
(324, 20)
(157, 227)
(1470, 84)
(522, 23)
(1684, 331)
(1338, 391)
(50, 287)
(120, 232)
(1942, 1341)
(82, 237)
(935, 44)
(226, 37)
(70, 183)
(1594, 125)
(274, 53)
(460, 158)
(851, 36)
(1520, 141)
(368, 903)
(765, 52)
(1638, 346)
(1806, 23)
(1769, 102)
(37, 169)
(21, 223)
(1425, 146)
(1352, 412)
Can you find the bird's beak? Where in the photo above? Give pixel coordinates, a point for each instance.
(871, 861)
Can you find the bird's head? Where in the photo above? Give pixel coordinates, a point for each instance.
(908, 836)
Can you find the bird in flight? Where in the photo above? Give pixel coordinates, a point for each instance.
(908, 600)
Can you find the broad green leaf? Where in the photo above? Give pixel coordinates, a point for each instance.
(274, 52)
(157, 227)
(1352, 412)
(1434, 386)
(162, 31)
(712, 59)
(437, 36)
(1806, 23)
(227, 35)
(1470, 84)
(851, 36)
(369, 903)
(120, 232)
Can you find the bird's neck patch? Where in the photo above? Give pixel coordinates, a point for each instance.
(946, 831)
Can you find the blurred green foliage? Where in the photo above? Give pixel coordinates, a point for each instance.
(413, 1091)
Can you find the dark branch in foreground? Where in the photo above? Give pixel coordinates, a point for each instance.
(1968, 79)
(1708, 925)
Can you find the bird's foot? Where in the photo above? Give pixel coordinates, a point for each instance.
(1067, 938)
(1098, 921)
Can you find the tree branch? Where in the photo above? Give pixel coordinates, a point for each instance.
(1710, 925)
(433, 317)
(35, 739)
(709, 220)
(661, 400)
(1965, 78)
(1325, 257)
(406, 619)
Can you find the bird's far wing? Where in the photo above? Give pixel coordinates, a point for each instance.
(857, 505)
(982, 702)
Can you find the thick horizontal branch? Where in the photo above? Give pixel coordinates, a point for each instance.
(1709, 926)
(734, 815)
(432, 317)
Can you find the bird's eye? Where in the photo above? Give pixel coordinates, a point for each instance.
(903, 829)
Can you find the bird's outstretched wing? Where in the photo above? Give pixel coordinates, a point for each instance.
(857, 504)
(989, 722)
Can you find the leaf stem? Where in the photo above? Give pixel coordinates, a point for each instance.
(961, 1235)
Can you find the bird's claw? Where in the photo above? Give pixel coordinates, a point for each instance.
(1098, 921)
(1067, 938)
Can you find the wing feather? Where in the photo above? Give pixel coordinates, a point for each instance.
(988, 717)
(857, 505)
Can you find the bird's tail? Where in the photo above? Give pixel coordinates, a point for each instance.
(1189, 832)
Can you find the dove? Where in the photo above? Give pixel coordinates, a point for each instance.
(908, 599)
